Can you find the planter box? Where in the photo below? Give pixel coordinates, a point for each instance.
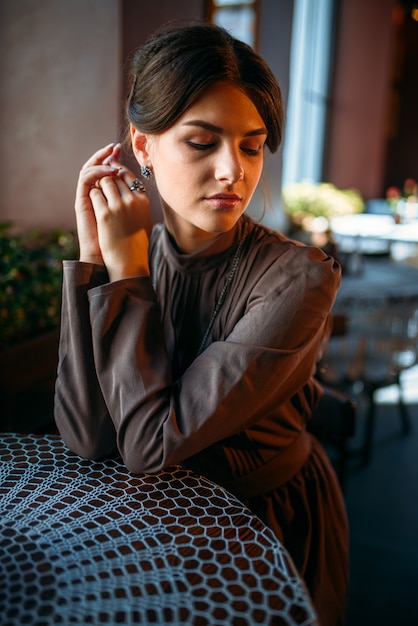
(27, 379)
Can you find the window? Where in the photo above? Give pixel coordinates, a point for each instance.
(310, 66)
(239, 17)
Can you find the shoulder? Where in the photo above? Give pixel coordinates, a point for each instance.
(272, 249)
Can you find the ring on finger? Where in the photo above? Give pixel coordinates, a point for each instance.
(137, 186)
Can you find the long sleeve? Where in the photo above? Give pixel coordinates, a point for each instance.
(80, 410)
(264, 349)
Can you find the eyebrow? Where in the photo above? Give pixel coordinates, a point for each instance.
(219, 130)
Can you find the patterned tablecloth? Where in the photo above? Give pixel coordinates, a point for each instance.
(85, 542)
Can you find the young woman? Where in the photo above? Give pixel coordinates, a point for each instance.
(195, 341)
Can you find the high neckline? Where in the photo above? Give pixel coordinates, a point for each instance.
(206, 257)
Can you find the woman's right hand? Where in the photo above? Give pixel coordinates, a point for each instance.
(96, 168)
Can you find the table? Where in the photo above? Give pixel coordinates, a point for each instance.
(379, 337)
(380, 334)
(380, 279)
(84, 542)
(370, 233)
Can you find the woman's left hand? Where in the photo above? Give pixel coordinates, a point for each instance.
(123, 224)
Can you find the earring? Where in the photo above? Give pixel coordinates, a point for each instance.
(146, 171)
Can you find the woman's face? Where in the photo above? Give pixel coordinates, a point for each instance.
(208, 164)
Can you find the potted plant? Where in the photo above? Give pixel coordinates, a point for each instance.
(30, 304)
(312, 206)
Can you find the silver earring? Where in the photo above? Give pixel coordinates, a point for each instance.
(146, 171)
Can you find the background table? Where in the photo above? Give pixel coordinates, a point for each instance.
(377, 338)
(371, 234)
(85, 542)
(380, 278)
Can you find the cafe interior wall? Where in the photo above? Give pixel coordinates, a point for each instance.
(62, 83)
(61, 96)
(59, 102)
(61, 92)
(372, 132)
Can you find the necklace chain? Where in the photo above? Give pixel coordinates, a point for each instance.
(226, 287)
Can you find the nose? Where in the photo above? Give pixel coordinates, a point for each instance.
(229, 168)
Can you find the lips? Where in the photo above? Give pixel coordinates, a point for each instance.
(224, 196)
(224, 200)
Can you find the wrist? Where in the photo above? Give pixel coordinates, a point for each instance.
(91, 258)
(133, 271)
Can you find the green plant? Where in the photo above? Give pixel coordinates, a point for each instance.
(304, 202)
(31, 281)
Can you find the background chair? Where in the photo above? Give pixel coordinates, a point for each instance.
(380, 343)
(333, 423)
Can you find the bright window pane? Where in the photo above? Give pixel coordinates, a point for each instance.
(240, 22)
(222, 3)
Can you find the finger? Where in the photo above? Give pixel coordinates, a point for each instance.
(100, 156)
(137, 186)
(112, 190)
(113, 159)
(91, 177)
(98, 198)
(126, 184)
(115, 190)
(132, 183)
(114, 199)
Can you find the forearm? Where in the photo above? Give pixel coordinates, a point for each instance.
(132, 366)
(231, 386)
(81, 413)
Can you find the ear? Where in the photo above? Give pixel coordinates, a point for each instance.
(140, 146)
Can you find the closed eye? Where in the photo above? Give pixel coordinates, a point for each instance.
(207, 146)
(200, 146)
(252, 151)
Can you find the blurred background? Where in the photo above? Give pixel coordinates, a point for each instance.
(351, 67)
(344, 179)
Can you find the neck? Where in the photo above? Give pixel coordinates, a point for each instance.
(190, 239)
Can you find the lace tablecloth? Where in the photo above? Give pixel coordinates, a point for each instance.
(85, 542)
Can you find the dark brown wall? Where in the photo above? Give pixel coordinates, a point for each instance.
(402, 130)
(356, 142)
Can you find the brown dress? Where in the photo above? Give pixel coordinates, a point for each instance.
(133, 375)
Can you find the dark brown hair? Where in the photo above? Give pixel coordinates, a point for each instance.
(178, 62)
